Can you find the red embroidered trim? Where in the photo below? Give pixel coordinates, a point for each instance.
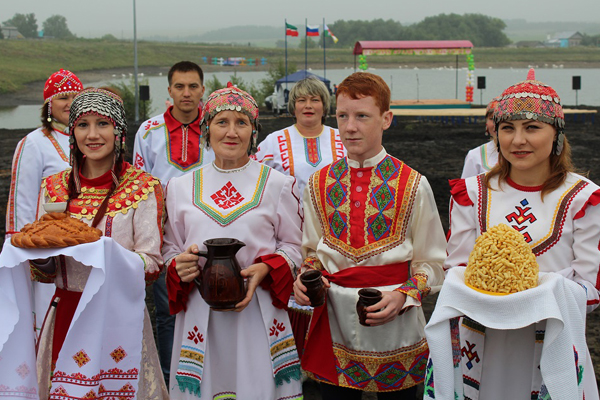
(524, 188)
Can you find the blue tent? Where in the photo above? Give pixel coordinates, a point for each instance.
(297, 76)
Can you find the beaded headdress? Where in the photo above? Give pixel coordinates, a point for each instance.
(534, 100)
(230, 98)
(492, 105)
(59, 83)
(102, 103)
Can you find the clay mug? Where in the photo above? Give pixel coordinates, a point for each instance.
(315, 290)
(366, 297)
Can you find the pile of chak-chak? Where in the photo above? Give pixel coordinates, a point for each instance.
(502, 262)
(55, 230)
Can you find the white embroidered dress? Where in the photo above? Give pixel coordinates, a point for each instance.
(250, 354)
(480, 159)
(293, 154)
(563, 231)
(37, 156)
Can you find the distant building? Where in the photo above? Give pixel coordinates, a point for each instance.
(10, 32)
(565, 39)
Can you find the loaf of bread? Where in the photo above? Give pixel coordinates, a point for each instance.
(55, 230)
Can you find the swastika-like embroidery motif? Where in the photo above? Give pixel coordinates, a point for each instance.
(118, 354)
(522, 219)
(23, 370)
(195, 336)
(471, 355)
(227, 197)
(276, 328)
(81, 358)
(139, 161)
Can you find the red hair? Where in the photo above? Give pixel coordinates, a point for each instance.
(365, 84)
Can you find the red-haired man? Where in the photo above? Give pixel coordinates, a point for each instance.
(370, 221)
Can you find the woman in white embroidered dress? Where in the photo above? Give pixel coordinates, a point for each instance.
(483, 158)
(41, 153)
(534, 189)
(308, 145)
(126, 203)
(250, 353)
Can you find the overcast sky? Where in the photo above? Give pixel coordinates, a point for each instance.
(187, 17)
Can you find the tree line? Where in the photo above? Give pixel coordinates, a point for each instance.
(54, 26)
(481, 30)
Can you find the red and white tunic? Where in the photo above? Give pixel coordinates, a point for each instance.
(480, 159)
(166, 148)
(293, 154)
(383, 217)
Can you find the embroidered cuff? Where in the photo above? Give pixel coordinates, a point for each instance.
(416, 287)
(150, 277)
(312, 262)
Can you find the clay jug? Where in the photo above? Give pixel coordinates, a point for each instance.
(220, 282)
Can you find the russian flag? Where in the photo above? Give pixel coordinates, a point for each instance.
(312, 30)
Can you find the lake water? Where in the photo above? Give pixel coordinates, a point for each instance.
(405, 83)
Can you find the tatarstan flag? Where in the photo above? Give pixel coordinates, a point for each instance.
(290, 30)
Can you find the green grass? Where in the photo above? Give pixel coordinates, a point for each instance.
(24, 61)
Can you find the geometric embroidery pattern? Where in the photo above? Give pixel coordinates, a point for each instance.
(276, 328)
(380, 372)
(195, 336)
(471, 355)
(23, 370)
(118, 354)
(313, 151)
(227, 196)
(235, 212)
(81, 358)
(391, 194)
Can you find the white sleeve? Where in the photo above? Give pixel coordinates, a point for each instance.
(140, 156)
(288, 227)
(462, 234)
(585, 268)
(471, 164)
(174, 238)
(26, 178)
(148, 227)
(311, 228)
(264, 153)
(429, 242)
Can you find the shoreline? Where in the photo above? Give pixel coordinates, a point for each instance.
(31, 93)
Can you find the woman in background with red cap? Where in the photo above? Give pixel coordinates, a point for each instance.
(41, 153)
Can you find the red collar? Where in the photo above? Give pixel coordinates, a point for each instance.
(524, 188)
(173, 125)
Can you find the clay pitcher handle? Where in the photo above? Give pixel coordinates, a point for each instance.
(204, 254)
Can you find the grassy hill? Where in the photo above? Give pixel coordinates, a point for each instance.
(25, 61)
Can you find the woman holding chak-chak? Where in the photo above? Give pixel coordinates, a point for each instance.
(535, 190)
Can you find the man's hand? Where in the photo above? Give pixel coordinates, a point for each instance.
(300, 291)
(387, 309)
(186, 264)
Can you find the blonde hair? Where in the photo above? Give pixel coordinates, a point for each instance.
(310, 86)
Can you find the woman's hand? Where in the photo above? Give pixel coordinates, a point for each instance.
(255, 274)
(300, 291)
(389, 307)
(186, 264)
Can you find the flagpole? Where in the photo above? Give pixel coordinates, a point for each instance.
(324, 56)
(305, 46)
(285, 33)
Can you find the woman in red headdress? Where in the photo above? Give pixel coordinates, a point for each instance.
(41, 153)
(529, 344)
